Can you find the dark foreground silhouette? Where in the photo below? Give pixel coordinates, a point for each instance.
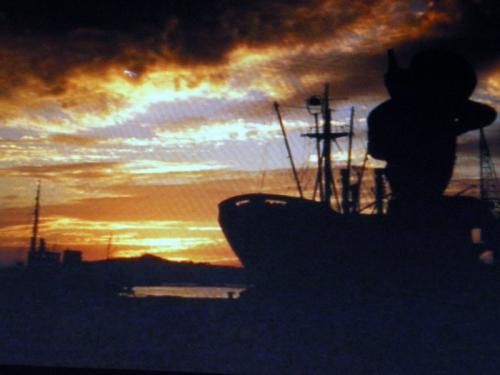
(415, 131)
(410, 332)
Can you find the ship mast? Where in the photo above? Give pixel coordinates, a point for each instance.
(324, 179)
(327, 146)
(36, 215)
(325, 174)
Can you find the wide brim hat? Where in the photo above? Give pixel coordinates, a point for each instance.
(440, 76)
(440, 72)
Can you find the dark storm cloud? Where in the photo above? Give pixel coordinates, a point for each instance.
(48, 41)
(474, 32)
(203, 30)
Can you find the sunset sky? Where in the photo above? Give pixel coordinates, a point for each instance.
(139, 117)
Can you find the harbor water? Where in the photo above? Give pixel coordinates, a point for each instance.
(189, 291)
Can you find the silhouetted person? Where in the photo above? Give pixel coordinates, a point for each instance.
(415, 133)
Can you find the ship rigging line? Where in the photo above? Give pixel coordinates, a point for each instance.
(363, 167)
(294, 170)
(305, 177)
(263, 162)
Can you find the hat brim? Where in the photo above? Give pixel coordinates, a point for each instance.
(474, 115)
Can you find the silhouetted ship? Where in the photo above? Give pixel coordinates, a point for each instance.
(294, 241)
(290, 239)
(55, 275)
(39, 258)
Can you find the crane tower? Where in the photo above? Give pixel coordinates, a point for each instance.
(489, 187)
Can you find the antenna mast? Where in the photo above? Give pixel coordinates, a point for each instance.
(108, 248)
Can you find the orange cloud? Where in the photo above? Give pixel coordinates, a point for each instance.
(75, 140)
(63, 171)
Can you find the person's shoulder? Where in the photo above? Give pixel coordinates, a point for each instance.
(389, 108)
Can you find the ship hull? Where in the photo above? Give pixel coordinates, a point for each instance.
(292, 241)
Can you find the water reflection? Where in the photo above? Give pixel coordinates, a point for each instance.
(188, 291)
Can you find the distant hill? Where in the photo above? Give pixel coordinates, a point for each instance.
(150, 269)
